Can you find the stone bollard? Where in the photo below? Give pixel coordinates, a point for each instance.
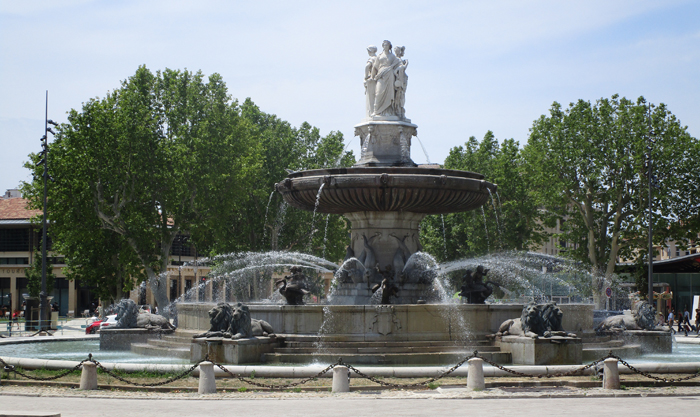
(341, 379)
(611, 375)
(475, 374)
(207, 381)
(88, 377)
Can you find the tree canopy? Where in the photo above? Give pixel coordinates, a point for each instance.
(171, 153)
(508, 219)
(587, 165)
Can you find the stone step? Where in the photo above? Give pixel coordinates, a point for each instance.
(168, 343)
(151, 350)
(353, 344)
(441, 358)
(603, 345)
(626, 351)
(383, 350)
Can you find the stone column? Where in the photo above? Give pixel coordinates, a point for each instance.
(475, 374)
(341, 379)
(88, 377)
(207, 381)
(611, 375)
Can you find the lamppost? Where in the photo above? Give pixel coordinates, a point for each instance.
(650, 142)
(43, 305)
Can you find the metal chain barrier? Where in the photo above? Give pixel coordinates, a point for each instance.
(421, 383)
(157, 384)
(560, 374)
(10, 368)
(280, 386)
(649, 375)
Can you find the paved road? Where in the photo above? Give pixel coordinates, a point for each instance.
(329, 407)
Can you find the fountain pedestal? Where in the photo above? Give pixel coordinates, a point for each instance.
(230, 351)
(554, 350)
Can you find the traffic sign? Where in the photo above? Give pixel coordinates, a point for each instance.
(608, 292)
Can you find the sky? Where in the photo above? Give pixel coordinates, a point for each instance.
(474, 66)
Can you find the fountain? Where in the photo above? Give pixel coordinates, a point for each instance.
(388, 303)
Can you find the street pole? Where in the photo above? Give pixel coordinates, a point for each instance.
(42, 294)
(651, 246)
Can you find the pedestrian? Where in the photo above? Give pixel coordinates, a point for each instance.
(670, 320)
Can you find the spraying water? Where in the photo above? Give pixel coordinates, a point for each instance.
(486, 228)
(313, 217)
(427, 158)
(267, 209)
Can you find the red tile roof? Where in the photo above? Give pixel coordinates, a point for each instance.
(16, 209)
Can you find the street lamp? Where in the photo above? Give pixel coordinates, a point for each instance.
(650, 177)
(43, 304)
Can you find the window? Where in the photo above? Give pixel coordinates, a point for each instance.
(14, 240)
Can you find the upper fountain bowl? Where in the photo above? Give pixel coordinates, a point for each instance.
(397, 189)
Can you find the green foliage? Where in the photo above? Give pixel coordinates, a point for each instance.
(33, 275)
(242, 389)
(587, 167)
(267, 220)
(508, 219)
(165, 153)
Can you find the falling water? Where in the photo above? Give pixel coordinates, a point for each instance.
(427, 158)
(313, 217)
(498, 224)
(444, 236)
(488, 244)
(279, 222)
(267, 209)
(336, 164)
(325, 237)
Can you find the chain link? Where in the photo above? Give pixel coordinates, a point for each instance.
(649, 375)
(421, 383)
(280, 386)
(157, 384)
(557, 375)
(11, 368)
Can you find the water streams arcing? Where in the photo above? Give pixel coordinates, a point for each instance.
(325, 236)
(313, 217)
(486, 228)
(336, 164)
(427, 158)
(267, 209)
(444, 236)
(498, 223)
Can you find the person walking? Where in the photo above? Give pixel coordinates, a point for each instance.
(671, 315)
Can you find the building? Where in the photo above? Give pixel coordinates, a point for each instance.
(20, 243)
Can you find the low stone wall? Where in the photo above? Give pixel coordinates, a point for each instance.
(387, 322)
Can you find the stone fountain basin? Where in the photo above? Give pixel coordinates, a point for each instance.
(408, 189)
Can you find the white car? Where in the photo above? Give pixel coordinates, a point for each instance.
(110, 321)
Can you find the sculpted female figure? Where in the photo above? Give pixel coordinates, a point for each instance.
(370, 83)
(385, 66)
(401, 82)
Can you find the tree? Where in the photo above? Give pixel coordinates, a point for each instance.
(587, 165)
(33, 275)
(508, 219)
(163, 154)
(269, 223)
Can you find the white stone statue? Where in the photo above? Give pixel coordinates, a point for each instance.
(370, 82)
(401, 83)
(384, 67)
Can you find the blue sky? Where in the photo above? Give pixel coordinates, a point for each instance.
(474, 65)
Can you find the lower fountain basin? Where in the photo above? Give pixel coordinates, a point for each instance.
(416, 190)
(404, 322)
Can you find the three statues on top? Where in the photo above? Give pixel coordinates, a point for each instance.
(386, 81)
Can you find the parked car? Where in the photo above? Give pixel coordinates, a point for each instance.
(93, 327)
(111, 320)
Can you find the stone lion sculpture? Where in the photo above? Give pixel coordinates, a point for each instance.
(641, 317)
(234, 322)
(128, 317)
(535, 321)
